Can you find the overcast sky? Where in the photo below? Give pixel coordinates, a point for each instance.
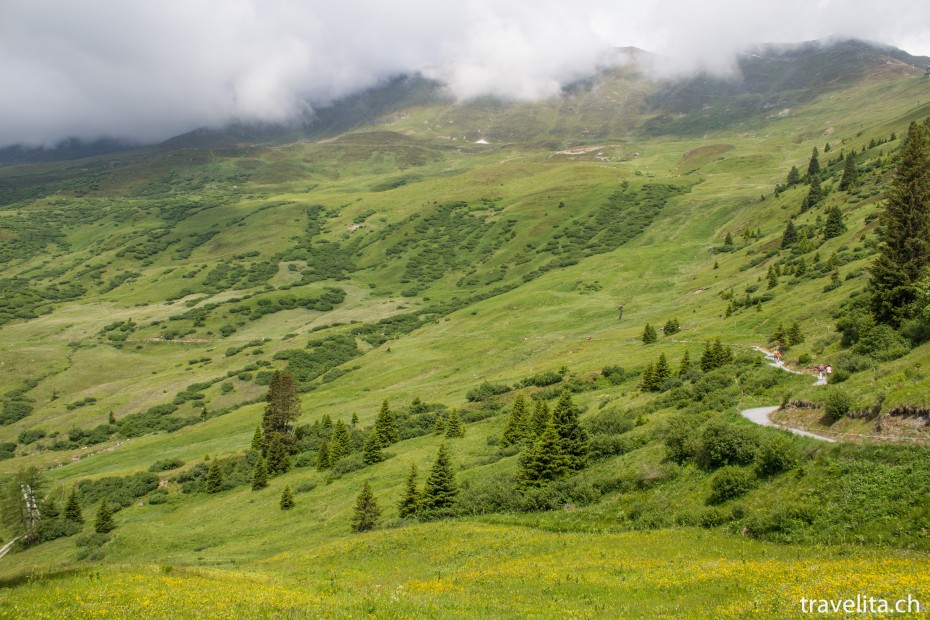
(146, 70)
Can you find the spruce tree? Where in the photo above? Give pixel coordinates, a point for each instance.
(685, 366)
(790, 235)
(354, 420)
(439, 427)
(283, 405)
(287, 498)
(340, 444)
(794, 176)
(410, 503)
(649, 334)
(850, 173)
(813, 166)
(517, 424)
(257, 439)
(814, 194)
(662, 371)
(260, 475)
(366, 513)
(322, 456)
(722, 354)
(541, 417)
(104, 524)
(835, 225)
(647, 381)
(440, 489)
(544, 461)
(728, 241)
(386, 425)
(773, 279)
(573, 438)
(277, 460)
(904, 252)
(73, 508)
(372, 451)
(707, 357)
(795, 335)
(214, 481)
(454, 428)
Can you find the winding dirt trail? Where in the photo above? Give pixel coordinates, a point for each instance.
(760, 415)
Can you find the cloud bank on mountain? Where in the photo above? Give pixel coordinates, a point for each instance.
(145, 71)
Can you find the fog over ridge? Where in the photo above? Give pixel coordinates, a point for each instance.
(146, 71)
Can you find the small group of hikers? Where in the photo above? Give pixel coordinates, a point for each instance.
(822, 371)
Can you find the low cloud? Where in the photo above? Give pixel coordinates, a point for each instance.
(145, 71)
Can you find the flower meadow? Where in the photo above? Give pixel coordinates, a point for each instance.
(488, 570)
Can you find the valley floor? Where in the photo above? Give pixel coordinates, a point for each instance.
(489, 570)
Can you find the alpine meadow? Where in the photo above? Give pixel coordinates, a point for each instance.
(420, 357)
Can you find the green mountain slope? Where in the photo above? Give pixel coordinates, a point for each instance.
(449, 257)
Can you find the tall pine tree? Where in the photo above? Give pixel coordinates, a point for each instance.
(540, 418)
(813, 166)
(410, 503)
(454, 427)
(367, 512)
(386, 425)
(104, 524)
(904, 252)
(260, 475)
(835, 224)
(850, 173)
(282, 408)
(340, 443)
(573, 438)
(544, 461)
(372, 451)
(440, 489)
(73, 508)
(517, 424)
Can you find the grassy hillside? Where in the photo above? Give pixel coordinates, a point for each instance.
(149, 296)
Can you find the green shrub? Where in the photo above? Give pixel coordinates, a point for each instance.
(166, 464)
(777, 454)
(730, 482)
(881, 342)
(837, 403)
(727, 444)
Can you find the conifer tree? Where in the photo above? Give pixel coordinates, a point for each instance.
(354, 420)
(439, 427)
(283, 405)
(649, 334)
(277, 460)
(454, 426)
(835, 226)
(541, 417)
(685, 366)
(813, 166)
(790, 235)
(814, 194)
(795, 336)
(287, 498)
(800, 268)
(780, 336)
(257, 439)
(367, 512)
(850, 173)
(672, 326)
(386, 425)
(721, 353)
(410, 503)
(372, 451)
(326, 422)
(340, 444)
(214, 481)
(544, 461)
(322, 456)
(260, 475)
(794, 176)
(573, 438)
(773, 279)
(104, 524)
(662, 371)
(440, 489)
(647, 381)
(73, 508)
(517, 424)
(728, 241)
(904, 252)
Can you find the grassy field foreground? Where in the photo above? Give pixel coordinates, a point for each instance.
(487, 570)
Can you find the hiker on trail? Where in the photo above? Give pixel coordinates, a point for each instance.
(829, 369)
(820, 370)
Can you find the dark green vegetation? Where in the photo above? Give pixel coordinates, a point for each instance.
(211, 340)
